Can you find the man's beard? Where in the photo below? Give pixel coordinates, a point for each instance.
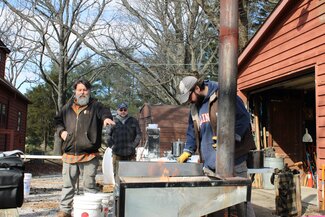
(82, 100)
(200, 99)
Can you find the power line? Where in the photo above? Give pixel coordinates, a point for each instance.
(163, 64)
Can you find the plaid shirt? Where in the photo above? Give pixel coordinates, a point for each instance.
(124, 137)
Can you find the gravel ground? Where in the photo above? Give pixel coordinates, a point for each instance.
(44, 197)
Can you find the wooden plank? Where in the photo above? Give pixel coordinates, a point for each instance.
(264, 138)
(287, 37)
(320, 123)
(321, 88)
(289, 49)
(320, 101)
(296, 180)
(293, 30)
(268, 69)
(170, 131)
(168, 123)
(290, 46)
(273, 73)
(257, 127)
(321, 152)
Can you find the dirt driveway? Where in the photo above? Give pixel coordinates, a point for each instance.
(44, 197)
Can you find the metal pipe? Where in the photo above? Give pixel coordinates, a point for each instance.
(228, 48)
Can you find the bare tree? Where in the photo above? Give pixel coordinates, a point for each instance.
(250, 12)
(51, 25)
(160, 41)
(212, 8)
(12, 33)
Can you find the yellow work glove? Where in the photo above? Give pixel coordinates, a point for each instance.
(184, 156)
(214, 145)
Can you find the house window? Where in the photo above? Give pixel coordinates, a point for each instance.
(19, 121)
(3, 115)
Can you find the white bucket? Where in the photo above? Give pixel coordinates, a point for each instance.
(27, 180)
(107, 167)
(84, 205)
(107, 201)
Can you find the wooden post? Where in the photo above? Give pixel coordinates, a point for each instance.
(257, 128)
(264, 137)
(296, 180)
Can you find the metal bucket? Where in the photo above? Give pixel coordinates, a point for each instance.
(177, 148)
(271, 162)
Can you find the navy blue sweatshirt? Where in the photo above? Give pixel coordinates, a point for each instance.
(242, 123)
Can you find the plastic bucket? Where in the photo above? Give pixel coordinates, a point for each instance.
(27, 181)
(86, 206)
(106, 201)
(107, 167)
(271, 162)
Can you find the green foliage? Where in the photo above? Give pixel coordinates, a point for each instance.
(33, 149)
(115, 85)
(258, 13)
(40, 117)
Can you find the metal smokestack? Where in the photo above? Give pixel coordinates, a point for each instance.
(228, 48)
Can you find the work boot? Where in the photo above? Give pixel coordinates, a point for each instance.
(63, 214)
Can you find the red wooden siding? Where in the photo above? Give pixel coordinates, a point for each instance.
(2, 63)
(3, 55)
(172, 121)
(14, 104)
(291, 40)
(320, 122)
(10, 137)
(294, 44)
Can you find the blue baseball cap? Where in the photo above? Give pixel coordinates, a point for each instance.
(122, 105)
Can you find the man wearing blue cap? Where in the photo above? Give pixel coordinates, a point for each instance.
(123, 137)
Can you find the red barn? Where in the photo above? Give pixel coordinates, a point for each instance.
(281, 74)
(13, 110)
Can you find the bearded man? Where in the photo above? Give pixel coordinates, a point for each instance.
(79, 125)
(202, 127)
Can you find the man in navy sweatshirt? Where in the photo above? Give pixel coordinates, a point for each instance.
(202, 126)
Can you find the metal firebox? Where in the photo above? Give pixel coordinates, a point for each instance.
(175, 190)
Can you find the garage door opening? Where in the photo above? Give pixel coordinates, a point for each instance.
(282, 115)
